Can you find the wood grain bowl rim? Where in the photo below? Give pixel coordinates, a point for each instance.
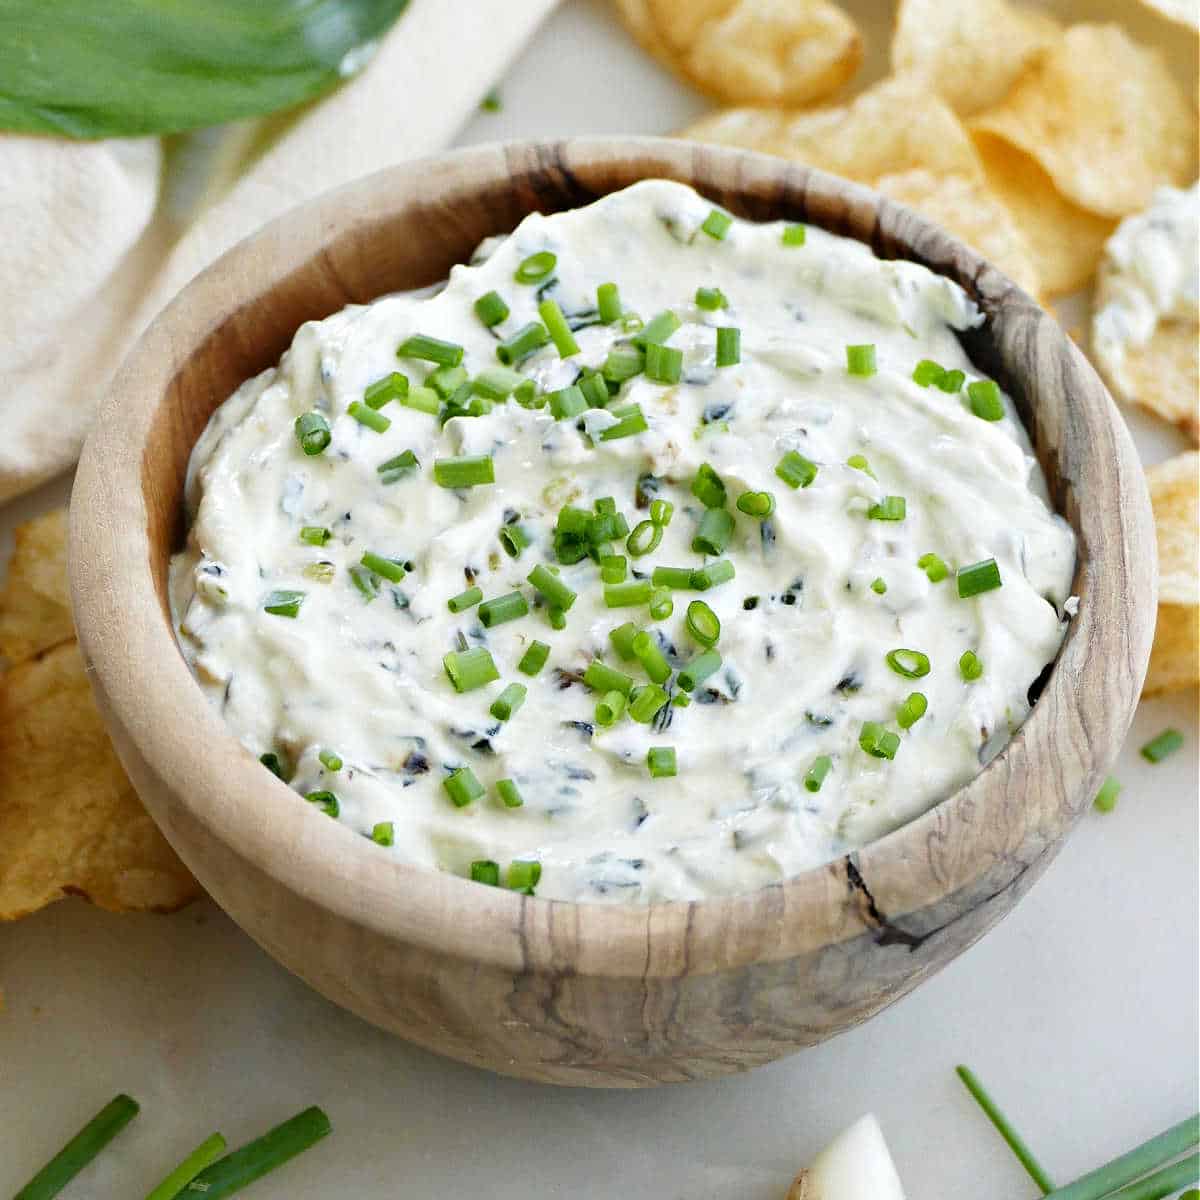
(970, 846)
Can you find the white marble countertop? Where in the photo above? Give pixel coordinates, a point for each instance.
(1080, 1011)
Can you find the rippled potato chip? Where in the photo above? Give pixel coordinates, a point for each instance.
(970, 52)
(35, 609)
(1175, 495)
(1103, 117)
(1184, 12)
(750, 51)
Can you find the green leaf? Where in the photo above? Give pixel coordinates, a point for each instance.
(116, 68)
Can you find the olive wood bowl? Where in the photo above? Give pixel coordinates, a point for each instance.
(554, 991)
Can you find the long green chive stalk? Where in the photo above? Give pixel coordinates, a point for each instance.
(1005, 1128)
(1149, 1156)
(204, 1155)
(1162, 1183)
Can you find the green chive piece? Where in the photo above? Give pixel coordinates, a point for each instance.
(468, 470)
(322, 572)
(794, 235)
(710, 299)
(681, 700)
(534, 658)
(610, 707)
(607, 527)
(622, 640)
(912, 710)
(397, 468)
(315, 535)
(383, 833)
(657, 330)
(422, 399)
(890, 508)
(470, 669)
(465, 600)
(270, 760)
(513, 539)
(699, 669)
(703, 624)
(860, 360)
(879, 585)
(935, 569)
(574, 521)
(536, 267)
(718, 571)
(950, 381)
(491, 309)
(594, 389)
(1005, 1129)
(283, 603)
(462, 787)
(566, 403)
(551, 588)
(1106, 797)
(81, 1149)
(483, 870)
(969, 666)
(1163, 1182)
(622, 363)
(912, 664)
(326, 801)
(608, 303)
(385, 568)
(557, 617)
(821, 767)
(502, 609)
(556, 325)
(431, 349)
(508, 702)
(524, 876)
(859, 463)
(978, 578)
(708, 487)
(795, 470)
(527, 395)
(627, 594)
(661, 604)
(312, 432)
(664, 364)
(390, 387)
(369, 417)
(729, 346)
(650, 655)
(600, 677)
(632, 422)
(714, 531)
(661, 512)
(330, 760)
(492, 102)
(613, 568)
(497, 383)
(447, 380)
(878, 741)
(756, 504)
(985, 400)
(679, 578)
(526, 341)
(644, 539)
(367, 582)
(1158, 748)
(645, 703)
(717, 224)
(175, 1184)
(927, 372)
(509, 793)
(661, 762)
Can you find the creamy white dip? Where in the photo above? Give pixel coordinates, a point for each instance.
(804, 635)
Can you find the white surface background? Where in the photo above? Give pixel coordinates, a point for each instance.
(1079, 1011)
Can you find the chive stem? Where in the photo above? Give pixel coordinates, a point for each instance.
(1149, 1156)
(556, 325)
(1005, 1128)
(81, 1149)
(204, 1155)
(431, 349)
(464, 471)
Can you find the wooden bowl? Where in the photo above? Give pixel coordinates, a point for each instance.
(554, 991)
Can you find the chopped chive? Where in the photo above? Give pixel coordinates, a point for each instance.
(859, 463)
(367, 582)
(912, 710)
(330, 761)
(699, 669)
(879, 585)
(315, 535)
(815, 776)
(660, 760)
(622, 640)
(608, 303)
(464, 471)
(81, 1149)
(524, 876)
(534, 658)
(1106, 797)
(645, 703)
(717, 224)
(860, 360)
(794, 235)
(491, 309)
(878, 741)
(509, 793)
(551, 588)
(934, 568)
(661, 604)
(447, 380)
(927, 372)
(483, 870)
(536, 267)
(890, 508)
(176, 1183)
(322, 571)
(513, 539)
(567, 403)
(312, 432)
(373, 420)
(756, 504)
(661, 512)
(613, 568)
(390, 387)
(283, 603)
(622, 363)
(625, 595)
(431, 349)
(985, 399)
(632, 422)
(508, 702)
(492, 102)
(703, 624)
(1160, 747)
(462, 787)
(383, 833)
(558, 329)
(679, 578)
(644, 539)
(605, 505)
(729, 345)
(795, 470)
(497, 383)
(950, 381)
(270, 760)
(708, 487)
(600, 677)
(470, 669)
(650, 655)
(969, 666)
(385, 568)
(711, 574)
(1015, 1142)
(326, 801)
(664, 364)
(502, 609)
(557, 617)
(657, 330)
(714, 531)
(527, 395)
(978, 578)
(594, 389)
(681, 700)
(573, 521)
(526, 341)
(610, 707)
(912, 664)
(397, 468)
(710, 299)
(422, 399)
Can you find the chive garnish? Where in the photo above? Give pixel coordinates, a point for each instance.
(912, 664)
(1160, 747)
(1015, 1142)
(315, 535)
(600, 677)
(524, 876)
(447, 380)
(711, 574)
(978, 578)
(879, 585)
(509, 793)
(679, 578)
(710, 299)
(470, 669)
(703, 624)
(658, 329)
(912, 710)
(699, 669)
(396, 468)
(373, 420)
(890, 508)
(366, 581)
(860, 463)
(497, 383)
(462, 787)
(935, 569)
(1106, 797)
(557, 617)
(969, 666)
(431, 349)
(631, 592)
(509, 700)
(714, 532)
(644, 539)
(385, 568)
(383, 833)
(567, 403)
(609, 708)
(534, 658)
(468, 470)
(878, 741)
(860, 360)
(483, 870)
(985, 400)
(756, 504)
(664, 364)
(622, 363)
(527, 395)
(661, 762)
(502, 609)
(631, 422)
(422, 399)
(270, 760)
(390, 387)
(595, 391)
(536, 267)
(330, 760)
(556, 325)
(175, 1184)
(717, 224)
(491, 309)
(325, 800)
(708, 487)
(613, 568)
(648, 652)
(513, 539)
(950, 381)
(794, 235)
(608, 303)
(661, 605)
(312, 432)
(927, 372)
(821, 767)
(661, 512)
(283, 603)
(526, 341)
(729, 346)
(681, 700)
(645, 703)
(551, 588)
(622, 640)
(795, 470)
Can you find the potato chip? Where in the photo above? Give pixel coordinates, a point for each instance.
(750, 51)
(1164, 375)
(1183, 12)
(35, 608)
(1103, 117)
(1175, 496)
(70, 824)
(970, 52)
(1067, 241)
